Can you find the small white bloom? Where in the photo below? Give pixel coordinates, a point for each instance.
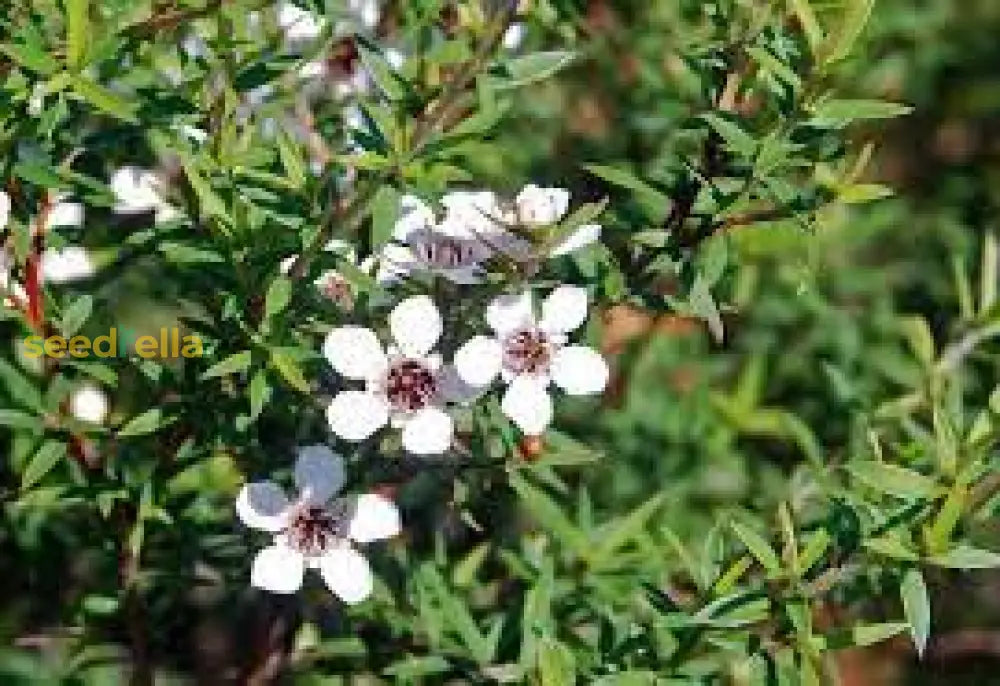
(513, 36)
(138, 190)
(71, 263)
(332, 284)
(314, 531)
(368, 11)
(452, 248)
(530, 352)
(299, 25)
(540, 208)
(65, 213)
(88, 403)
(537, 206)
(402, 384)
(4, 209)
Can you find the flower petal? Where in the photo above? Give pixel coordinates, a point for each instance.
(262, 505)
(509, 313)
(579, 370)
(68, 264)
(564, 309)
(374, 519)
(414, 215)
(356, 415)
(347, 574)
(478, 361)
(528, 405)
(278, 569)
(428, 432)
(355, 352)
(453, 389)
(395, 262)
(416, 325)
(319, 473)
(538, 206)
(4, 209)
(581, 238)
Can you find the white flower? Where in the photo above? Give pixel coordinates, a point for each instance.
(529, 352)
(88, 403)
(138, 190)
(513, 36)
(537, 208)
(65, 213)
(453, 248)
(314, 531)
(4, 209)
(402, 384)
(298, 24)
(71, 263)
(368, 11)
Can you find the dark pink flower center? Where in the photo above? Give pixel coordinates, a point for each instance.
(313, 529)
(527, 352)
(444, 252)
(410, 385)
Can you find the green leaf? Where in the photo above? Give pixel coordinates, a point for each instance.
(870, 634)
(211, 204)
(74, 316)
(77, 32)
(620, 532)
(916, 608)
(548, 514)
(967, 557)
(528, 69)
(234, 364)
(279, 294)
(736, 138)
(291, 160)
(835, 114)
(385, 211)
(894, 480)
(105, 100)
(758, 547)
(555, 664)
(20, 389)
(892, 547)
(15, 419)
(260, 393)
(810, 25)
(772, 64)
(840, 43)
(289, 369)
(145, 423)
(656, 203)
(181, 253)
(703, 305)
(31, 57)
(42, 463)
(918, 335)
(382, 73)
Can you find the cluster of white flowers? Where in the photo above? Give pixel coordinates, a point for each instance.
(401, 379)
(407, 385)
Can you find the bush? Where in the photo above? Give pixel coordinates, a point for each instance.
(548, 342)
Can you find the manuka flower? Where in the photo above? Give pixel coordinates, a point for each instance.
(529, 352)
(453, 248)
(404, 385)
(535, 209)
(315, 531)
